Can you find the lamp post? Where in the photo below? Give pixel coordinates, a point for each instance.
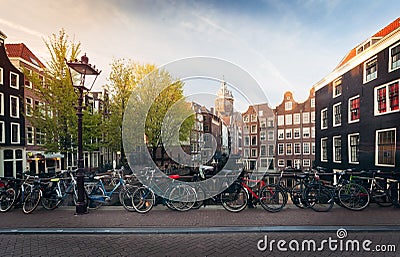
(83, 68)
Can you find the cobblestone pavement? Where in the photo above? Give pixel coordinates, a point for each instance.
(234, 244)
(229, 240)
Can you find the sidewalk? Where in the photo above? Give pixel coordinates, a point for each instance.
(211, 219)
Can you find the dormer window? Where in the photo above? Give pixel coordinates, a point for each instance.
(288, 106)
(364, 46)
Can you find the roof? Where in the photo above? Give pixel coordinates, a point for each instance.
(22, 51)
(2, 35)
(380, 34)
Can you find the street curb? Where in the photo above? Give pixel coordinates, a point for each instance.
(200, 230)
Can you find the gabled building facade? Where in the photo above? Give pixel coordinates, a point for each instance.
(295, 141)
(357, 106)
(12, 121)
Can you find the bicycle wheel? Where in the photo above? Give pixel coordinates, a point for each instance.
(143, 199)
(182, 198)
(95, 198)
(235, 198)
(319, 199)
(7, 199)
(297, 195)
(50, 201)
(354, 197)
(272, 198)
(200, 198)
(125, 197)
(381, 197)
(32, 200)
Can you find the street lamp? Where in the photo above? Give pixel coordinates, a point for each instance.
(83, 68)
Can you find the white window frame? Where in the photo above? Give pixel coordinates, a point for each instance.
(251, 140)
(29, 82)
(335, 84)
(376, 147)
(322, 150)
(18, 135)
(246, 152)
(1, 76)
(32, 132)
(271, 150)
(281, 120)
(312, 117)
(253, 152)
(325, 110)
(388, 111)
(334, 115)
(281, 163)
(290, 132)
(246, 118)
(263, 135)
(298, 147)
(29, 105)
(3, 132)
(244, 141)
(365, 80)
(253, 128)
(298, 130)
(289, 148)
(312, 102)
(253, 117)
(306, 130)
(288, 119)
(265, 148)
(281, 134)
(349, 147)
(306, 117)
(1, 104)
(312, 132)
(349, 109)
(288, 105)
(306, 162)
(313, 148)
(334, 149)
(281, 146)
(390, 59)
(17, 101)
(296, 118)
(306, 145)
(270, 135)
(17, 81)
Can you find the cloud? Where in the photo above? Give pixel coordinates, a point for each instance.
(22, 28)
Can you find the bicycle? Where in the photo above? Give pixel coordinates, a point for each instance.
(8, 193)
(352, 196)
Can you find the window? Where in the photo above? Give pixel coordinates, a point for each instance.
(288, 119)
(14, 106)
(28, 83)
(337, 87)
(253, 128)
(15, 137)
(312, 117)
(270, 135)
(337, 114)
(288, 149)
(1, 104)
(387, 98)
(246, 141)
(246, 153)
(263, 135)
(281, 150)
(354, 109)
(29, 106)
(246, 129)
(337, 149)
(253, 118)
(14, 80)
(296, 133)
(1, 76)
(253, 140)
(306, 118)
(288, 106)
(306, 132)
(324, 149)
(263, 150)
(288, 133)
(281, 134)
(385, 147)
(306, 162)
(246, 118)
(324, 118)
(281, 120)
(313, 148)
(30, 140)
(260, 113)
(354, 142)
(40, 137)
(253, 152)
(281, 163)
(270, 123)
(296, 118)
(2, 132)
(370, 70)
(394, 58)
(271, 150)
(312, 102)
(263, 124)
(306, 148)
(312, 132)
(297, 148)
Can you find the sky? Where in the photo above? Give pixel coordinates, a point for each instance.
(283, 45)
